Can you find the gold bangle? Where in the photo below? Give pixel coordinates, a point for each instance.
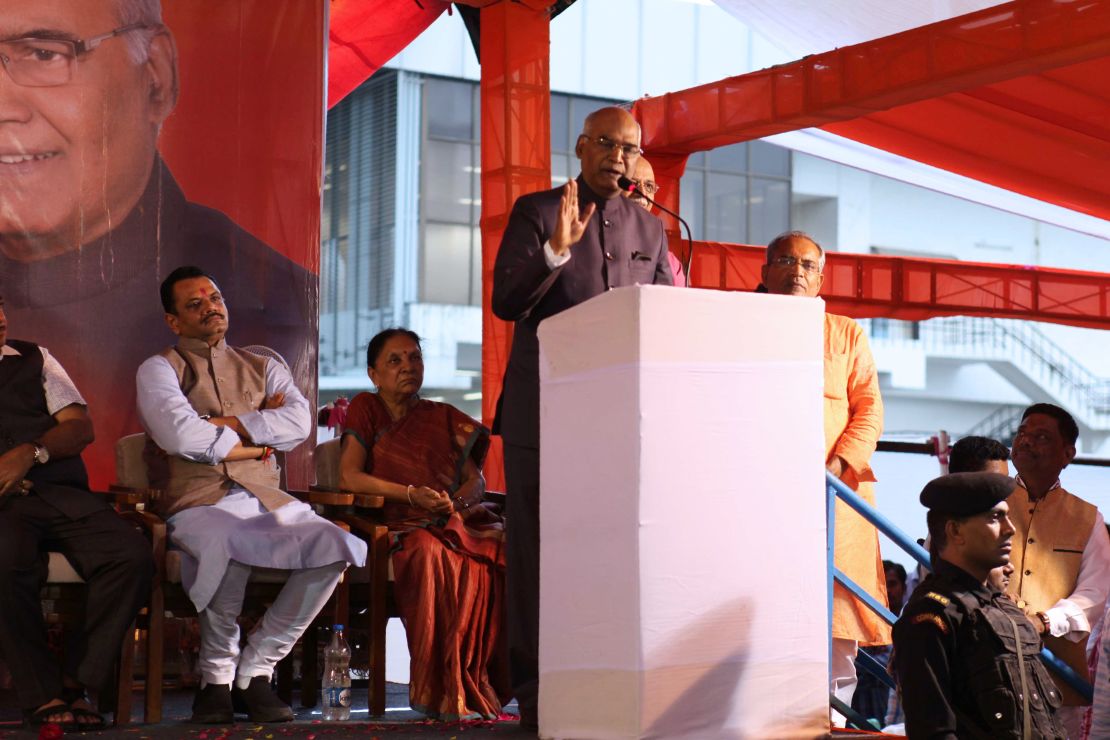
(408, 492)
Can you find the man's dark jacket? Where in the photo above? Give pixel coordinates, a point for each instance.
(623, 245)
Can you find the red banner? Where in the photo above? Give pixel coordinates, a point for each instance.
(193, 138)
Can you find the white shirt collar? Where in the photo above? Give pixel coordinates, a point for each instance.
(7, 350)
(1051, 488)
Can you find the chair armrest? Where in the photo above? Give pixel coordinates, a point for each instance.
(360, 500)
(128, 498)
(369, 529)
(324, 498)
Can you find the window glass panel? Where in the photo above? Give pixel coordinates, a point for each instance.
(768, 159)
(447, 180)
(725, 206)
(691, 198)
(770, 209)
(560, 169)
(697, 159)
(449, 108)
(560, 122)
(732, 158)
(447, 261)
(580, 108)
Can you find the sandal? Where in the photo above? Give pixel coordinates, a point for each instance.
(84, 719)
(34, 720)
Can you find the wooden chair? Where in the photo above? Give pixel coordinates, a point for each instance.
(168, 597)
(373, 584)
(63, 604)
(370, 585)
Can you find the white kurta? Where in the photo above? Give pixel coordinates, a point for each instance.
(238, 528)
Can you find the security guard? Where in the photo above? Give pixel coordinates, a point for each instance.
(966, 657)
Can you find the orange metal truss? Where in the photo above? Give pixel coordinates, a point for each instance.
(913, 289)
(516, 159)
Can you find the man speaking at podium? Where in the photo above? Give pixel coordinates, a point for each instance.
(853, 423)
(561, 247)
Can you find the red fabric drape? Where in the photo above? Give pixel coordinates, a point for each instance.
(365, 34)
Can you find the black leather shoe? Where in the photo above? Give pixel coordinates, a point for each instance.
(261, 703)
(212, 705)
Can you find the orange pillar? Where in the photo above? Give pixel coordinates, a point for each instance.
(516, 159)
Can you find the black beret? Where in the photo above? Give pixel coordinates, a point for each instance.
(966, 494)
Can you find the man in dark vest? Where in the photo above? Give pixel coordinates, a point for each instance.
(215, 414)
(44, 497)
(966, 658)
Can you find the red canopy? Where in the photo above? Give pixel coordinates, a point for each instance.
(365, 34)
(1014, 95)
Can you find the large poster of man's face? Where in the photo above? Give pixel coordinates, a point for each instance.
(137, 136)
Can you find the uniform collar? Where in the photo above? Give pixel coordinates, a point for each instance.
(962, 579)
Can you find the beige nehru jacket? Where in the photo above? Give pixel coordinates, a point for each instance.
(1047, 551)
(218, 381)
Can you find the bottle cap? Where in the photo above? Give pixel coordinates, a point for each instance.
(337, 627)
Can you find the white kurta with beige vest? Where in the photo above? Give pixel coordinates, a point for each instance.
(1061, 559)
(220, 510)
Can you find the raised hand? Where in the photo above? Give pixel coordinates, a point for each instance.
(571, 223)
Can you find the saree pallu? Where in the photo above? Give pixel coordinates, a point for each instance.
(449, 572)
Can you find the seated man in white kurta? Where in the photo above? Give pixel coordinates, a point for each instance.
(214, 415)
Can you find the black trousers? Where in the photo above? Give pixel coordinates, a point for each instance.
(109, 553)
(522, 576)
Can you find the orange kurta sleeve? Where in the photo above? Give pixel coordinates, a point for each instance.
(853, 406)
(853, 424)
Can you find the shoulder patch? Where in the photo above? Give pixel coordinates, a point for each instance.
(942, 600)
(932, 618)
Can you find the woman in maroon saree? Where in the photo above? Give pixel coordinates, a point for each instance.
(446, 545)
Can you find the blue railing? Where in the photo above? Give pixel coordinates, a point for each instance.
(836, 489)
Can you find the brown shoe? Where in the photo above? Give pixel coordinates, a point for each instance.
(212, 705)
(261, 703)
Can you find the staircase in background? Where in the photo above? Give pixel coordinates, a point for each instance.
(1022, 354)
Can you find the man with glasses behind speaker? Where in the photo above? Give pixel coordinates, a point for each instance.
(853, 423)
(89, 212)
(644, 178)
(561, 247)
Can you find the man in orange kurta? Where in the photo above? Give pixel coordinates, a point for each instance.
(853, 423)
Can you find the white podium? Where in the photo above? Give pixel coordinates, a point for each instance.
(683, 563)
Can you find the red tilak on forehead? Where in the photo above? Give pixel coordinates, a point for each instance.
(204, 291)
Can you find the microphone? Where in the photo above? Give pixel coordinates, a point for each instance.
(627, 185)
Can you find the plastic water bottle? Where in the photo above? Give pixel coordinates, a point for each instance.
(335, 694)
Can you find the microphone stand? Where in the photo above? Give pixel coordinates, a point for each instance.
(626, 184)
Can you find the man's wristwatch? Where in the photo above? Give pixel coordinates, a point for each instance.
(1045, 621)
(42, 455)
